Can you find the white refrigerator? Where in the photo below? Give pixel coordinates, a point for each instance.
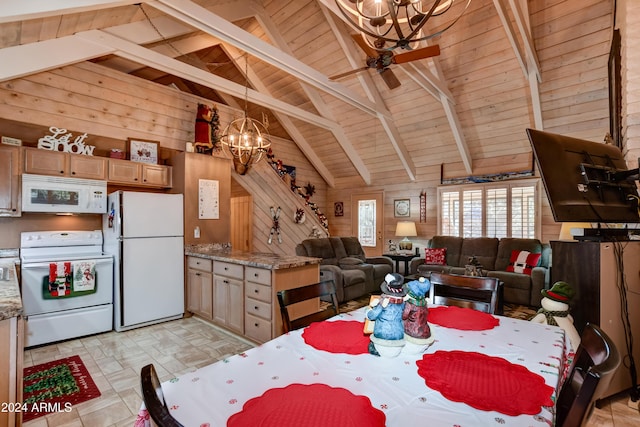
(144, 233)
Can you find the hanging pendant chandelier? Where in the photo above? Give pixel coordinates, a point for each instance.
(245, 139)
(401, 22)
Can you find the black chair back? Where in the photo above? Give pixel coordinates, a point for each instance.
(596, 361)
(478, 293)
(154, 399)
(325, 290)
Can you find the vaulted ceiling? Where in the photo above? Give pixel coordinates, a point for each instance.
(505, 66)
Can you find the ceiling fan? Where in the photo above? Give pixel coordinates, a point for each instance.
(380, 59)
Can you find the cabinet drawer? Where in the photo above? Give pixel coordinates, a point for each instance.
(228, 269)
(199, 263)
(257, 328)
(257, 291)
(258, 308)
(258, 275)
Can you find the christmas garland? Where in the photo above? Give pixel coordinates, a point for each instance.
(304, 192)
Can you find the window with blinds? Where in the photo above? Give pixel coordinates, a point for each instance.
(491, 210)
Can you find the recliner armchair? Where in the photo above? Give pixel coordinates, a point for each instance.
(344, 262)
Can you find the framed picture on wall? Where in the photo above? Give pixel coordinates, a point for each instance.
(402, 208)
(143, 151)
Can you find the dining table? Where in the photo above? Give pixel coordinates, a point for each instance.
(480, 370)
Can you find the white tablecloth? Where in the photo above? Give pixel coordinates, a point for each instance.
(213, 393)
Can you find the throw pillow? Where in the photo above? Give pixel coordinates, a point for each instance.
(435, 256)
(523, 262)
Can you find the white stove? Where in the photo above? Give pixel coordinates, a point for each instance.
(67, 285)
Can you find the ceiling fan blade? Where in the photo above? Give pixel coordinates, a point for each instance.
(389, 78)
(359, 39)
(348, 73)
(414, 55)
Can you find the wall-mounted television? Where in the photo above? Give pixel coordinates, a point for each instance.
(585, 181)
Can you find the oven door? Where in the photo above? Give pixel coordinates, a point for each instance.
(90, 284)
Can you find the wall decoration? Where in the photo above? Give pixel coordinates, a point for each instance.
(208, 199)
(402, 208)
(280, 169)
(338, 209)
(299, 217)
(11, 141)
(206, 130)
(275, 229)
(60, 141)
(423, 206)
(143, 151)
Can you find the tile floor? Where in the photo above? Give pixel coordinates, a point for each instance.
(114, 360)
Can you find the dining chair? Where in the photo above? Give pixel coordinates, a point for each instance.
(326, 289)
(478, 293)
(594, 364)
(154, 399)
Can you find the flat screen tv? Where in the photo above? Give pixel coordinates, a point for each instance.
(585, 181)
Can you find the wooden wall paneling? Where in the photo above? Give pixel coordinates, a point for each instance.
(188, 169)
(269, 190)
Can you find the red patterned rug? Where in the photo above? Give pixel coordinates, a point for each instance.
(56, 387)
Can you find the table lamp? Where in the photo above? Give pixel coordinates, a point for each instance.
(406, 229)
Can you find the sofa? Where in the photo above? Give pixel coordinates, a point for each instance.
(344, 261)
(522, 285)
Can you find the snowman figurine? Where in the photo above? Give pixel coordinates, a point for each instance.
(387, 339)
(555, 310)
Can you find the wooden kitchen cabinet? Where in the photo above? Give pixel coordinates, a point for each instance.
(228, 295)
(258, 304)
(10, 191)
(11, 359)
(56, 163)
(200, 287)
(126, 172)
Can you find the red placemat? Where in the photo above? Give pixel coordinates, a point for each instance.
(313, 405)
(484, 382)
(340, 336)
(465, 319)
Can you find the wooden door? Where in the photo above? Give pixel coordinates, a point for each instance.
(367, 221)
(241, 223)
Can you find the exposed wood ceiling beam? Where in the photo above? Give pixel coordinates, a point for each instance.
(529, 61)
(372, 92)
(137, 53)
(428, 81)
(213, 24)
(46, 55)
(12, 11)
(318, 103)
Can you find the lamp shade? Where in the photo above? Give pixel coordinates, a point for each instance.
(406, 229)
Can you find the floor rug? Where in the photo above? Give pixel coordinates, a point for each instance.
(56, 387)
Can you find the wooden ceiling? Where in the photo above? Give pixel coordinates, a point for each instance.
(505, 66)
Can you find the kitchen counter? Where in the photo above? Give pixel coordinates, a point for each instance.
(10, 301)
(269, 261)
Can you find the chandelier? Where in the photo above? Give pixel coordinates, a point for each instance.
(401, 22)
(245, 139)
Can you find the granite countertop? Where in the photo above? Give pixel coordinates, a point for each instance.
(10, 301)
(252, 259)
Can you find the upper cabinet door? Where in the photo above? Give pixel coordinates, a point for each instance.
(9, 181)
(87, 167)
(45, 162)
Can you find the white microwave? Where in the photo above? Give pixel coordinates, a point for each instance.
(56, 194)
